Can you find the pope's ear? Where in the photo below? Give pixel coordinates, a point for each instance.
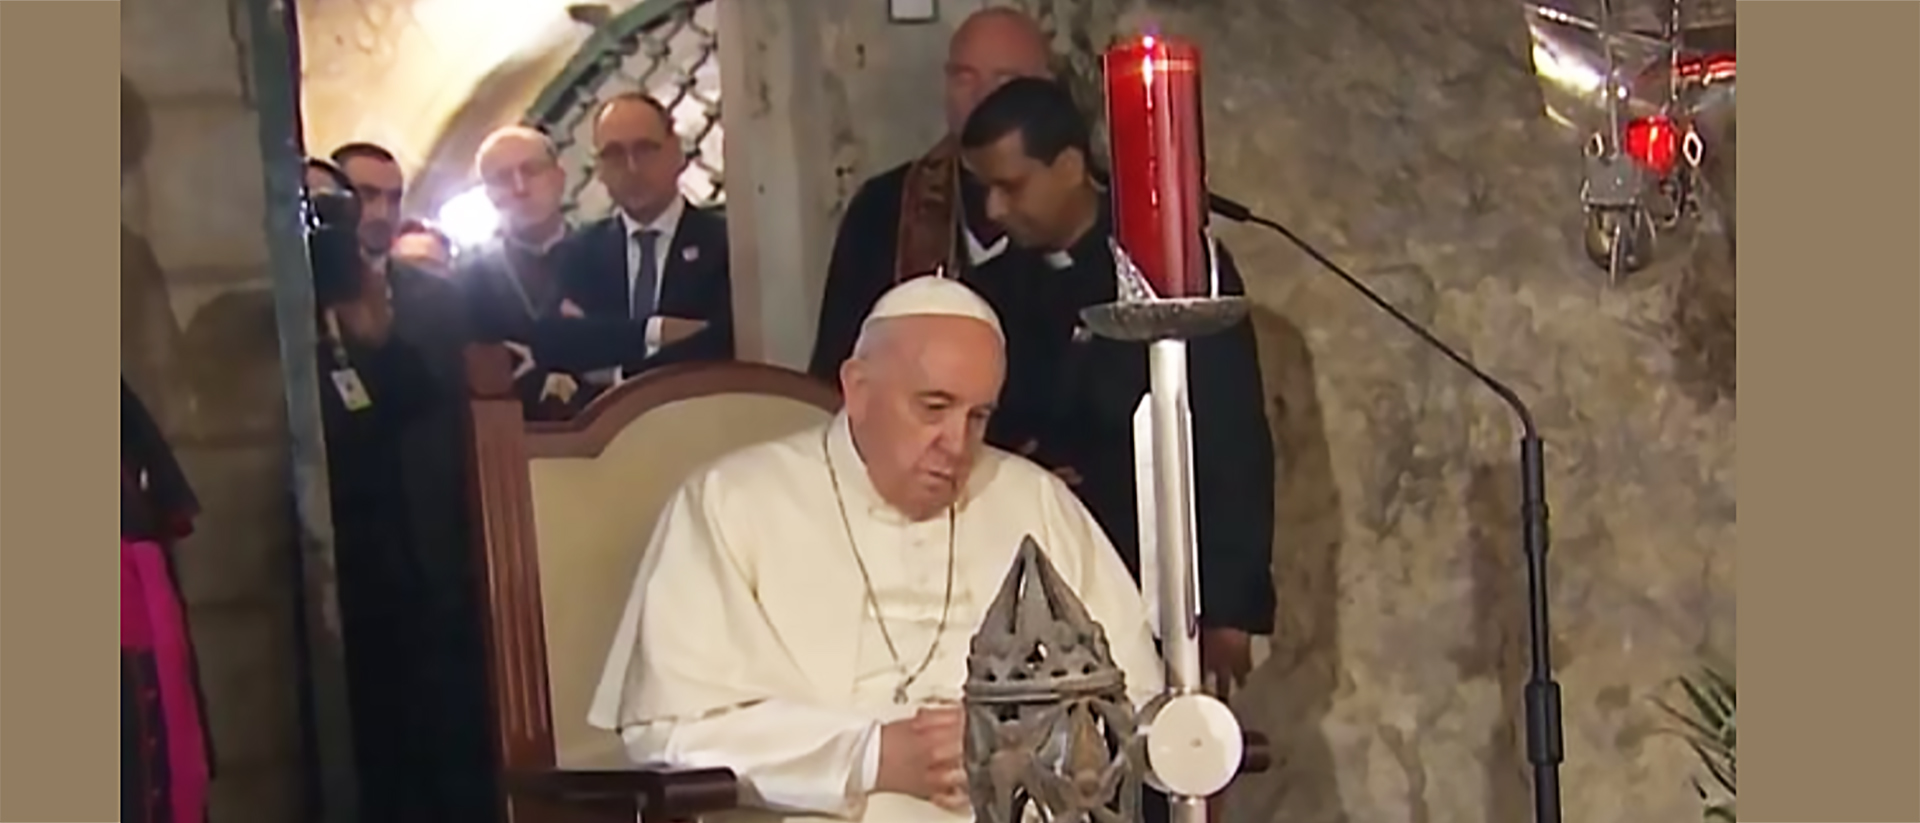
(853, 378)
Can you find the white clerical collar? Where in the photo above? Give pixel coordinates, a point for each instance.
(979, 253)
(858, 487)
(1059, 260)
(662, 224)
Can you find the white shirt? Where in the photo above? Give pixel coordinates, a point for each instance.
(748, 642)
(663, 225)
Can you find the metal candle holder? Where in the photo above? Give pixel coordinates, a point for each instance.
(1167, 271)
(1140, 315)
(1049, 727)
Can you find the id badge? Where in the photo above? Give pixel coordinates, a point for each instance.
(353, 393)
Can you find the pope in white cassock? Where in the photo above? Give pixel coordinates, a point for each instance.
(804, 612)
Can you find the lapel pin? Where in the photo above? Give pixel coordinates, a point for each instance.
(690, 253)
(1081, 334)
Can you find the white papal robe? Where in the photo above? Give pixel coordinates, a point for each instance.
(748, 642)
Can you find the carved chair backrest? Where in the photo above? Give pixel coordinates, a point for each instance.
(565, 511)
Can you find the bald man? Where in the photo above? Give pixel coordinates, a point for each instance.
(931, 214)
(657, 262)
(513, 283)
(804, 612)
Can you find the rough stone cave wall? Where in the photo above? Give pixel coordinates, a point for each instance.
(1406, 139)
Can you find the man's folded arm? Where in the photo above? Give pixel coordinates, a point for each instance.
(788, 756)
(583, 344)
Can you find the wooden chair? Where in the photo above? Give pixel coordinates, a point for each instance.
(563, 511)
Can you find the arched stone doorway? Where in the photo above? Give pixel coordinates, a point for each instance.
(666, 48)
(429, 79)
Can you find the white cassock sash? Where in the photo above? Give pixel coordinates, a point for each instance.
(1143, 501)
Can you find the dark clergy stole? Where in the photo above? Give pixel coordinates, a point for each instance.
(912, 221)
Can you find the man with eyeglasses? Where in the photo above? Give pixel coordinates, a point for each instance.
(512, 283)
(657, 264)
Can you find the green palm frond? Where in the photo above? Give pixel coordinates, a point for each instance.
(1706, 722)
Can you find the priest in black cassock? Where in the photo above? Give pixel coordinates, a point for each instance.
(1073, 396)
(929, 215)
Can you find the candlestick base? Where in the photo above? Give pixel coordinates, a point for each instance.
(1194, 746)
(1169, 319)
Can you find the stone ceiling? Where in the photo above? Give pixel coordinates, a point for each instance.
(414, 74)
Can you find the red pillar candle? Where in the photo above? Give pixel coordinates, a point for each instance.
(1159, 193)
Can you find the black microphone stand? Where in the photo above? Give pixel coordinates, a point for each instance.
(1542, 702)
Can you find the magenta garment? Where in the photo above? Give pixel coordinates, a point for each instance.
(151, 623)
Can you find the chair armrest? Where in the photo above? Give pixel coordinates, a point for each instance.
(656, 794)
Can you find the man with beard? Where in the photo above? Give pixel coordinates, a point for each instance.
(1029, 146)
(392, 395)
(929, 215)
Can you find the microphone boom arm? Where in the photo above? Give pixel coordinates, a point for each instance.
(1545, 747)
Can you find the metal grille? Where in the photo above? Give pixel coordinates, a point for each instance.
(668, 49)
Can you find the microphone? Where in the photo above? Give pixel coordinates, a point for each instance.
(1545, 748)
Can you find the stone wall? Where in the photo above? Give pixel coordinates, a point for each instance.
(1407, 140)
(198, 342)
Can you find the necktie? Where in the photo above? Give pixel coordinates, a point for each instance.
(647, 282)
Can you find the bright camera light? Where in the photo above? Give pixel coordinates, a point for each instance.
(469, 219)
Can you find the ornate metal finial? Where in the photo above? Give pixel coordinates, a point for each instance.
(1141, 314)
(1048, 718)
(1133, 286)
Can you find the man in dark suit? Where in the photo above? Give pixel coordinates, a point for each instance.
(512, 283)
(1075, 395)
(653, 275)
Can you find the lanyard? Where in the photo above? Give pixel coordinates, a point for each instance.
(519, 288)
(337, 340)
(514, 270)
